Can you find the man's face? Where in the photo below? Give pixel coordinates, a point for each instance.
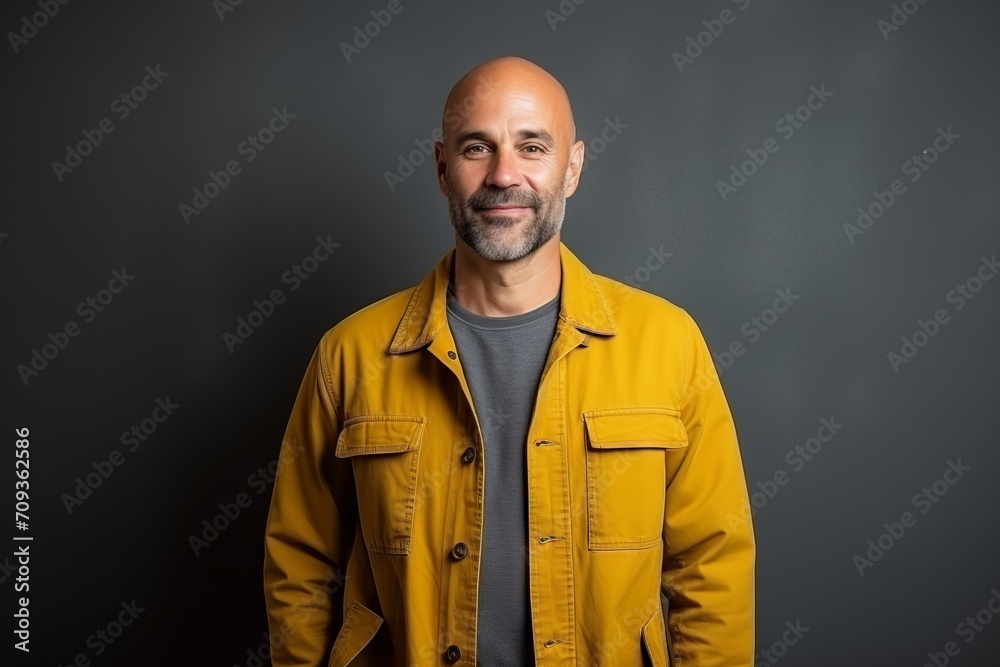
(506, 174)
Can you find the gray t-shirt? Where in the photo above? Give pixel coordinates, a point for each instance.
(502, 358)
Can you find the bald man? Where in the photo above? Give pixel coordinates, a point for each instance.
(516, 461)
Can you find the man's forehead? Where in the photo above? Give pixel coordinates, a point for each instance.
(512, 110)
(525, 102)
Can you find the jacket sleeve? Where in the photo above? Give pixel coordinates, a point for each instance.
(308, 531)
(708, 565)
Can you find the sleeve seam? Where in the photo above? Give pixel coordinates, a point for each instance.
(327, 381)
(686, 384)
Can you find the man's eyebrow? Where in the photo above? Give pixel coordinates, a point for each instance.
(543, 135)
(480, 135)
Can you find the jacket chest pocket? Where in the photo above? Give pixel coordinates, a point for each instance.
(385, 451)
(627, 450)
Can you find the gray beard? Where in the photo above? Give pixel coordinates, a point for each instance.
(484, 235)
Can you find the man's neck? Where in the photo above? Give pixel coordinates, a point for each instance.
(501, 289)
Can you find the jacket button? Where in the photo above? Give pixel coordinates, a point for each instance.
(469, 455)
(460, 551)
(451, 354)
(453, 654)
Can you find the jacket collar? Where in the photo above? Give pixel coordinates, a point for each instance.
(582, 303)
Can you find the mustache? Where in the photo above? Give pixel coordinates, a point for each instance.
(487, 198)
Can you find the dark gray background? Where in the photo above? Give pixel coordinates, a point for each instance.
(655, 185)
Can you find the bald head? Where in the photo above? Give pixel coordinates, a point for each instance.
(509, 78)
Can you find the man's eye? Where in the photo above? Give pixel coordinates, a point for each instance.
(472, 149)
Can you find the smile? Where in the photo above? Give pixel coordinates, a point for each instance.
(505, 209)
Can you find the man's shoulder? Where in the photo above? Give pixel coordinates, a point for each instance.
(373, 324)
(633, 304)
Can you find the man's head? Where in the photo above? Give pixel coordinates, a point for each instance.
(508, 158)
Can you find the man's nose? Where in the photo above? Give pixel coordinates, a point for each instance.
(504, 171)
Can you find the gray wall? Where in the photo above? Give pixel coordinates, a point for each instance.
(682, 126)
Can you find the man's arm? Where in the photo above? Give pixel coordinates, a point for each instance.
(308, 533)
(708, 565)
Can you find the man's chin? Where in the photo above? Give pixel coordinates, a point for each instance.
(498, 248)
(501, 220)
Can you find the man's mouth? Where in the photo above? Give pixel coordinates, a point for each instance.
(505, 209)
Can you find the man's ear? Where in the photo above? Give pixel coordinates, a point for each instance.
(441, 164)
(575, 167)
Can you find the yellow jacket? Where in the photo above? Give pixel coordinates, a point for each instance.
(635, 486)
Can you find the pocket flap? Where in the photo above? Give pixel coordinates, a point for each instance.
(380, 434)
(635, 427)
(360, 625)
